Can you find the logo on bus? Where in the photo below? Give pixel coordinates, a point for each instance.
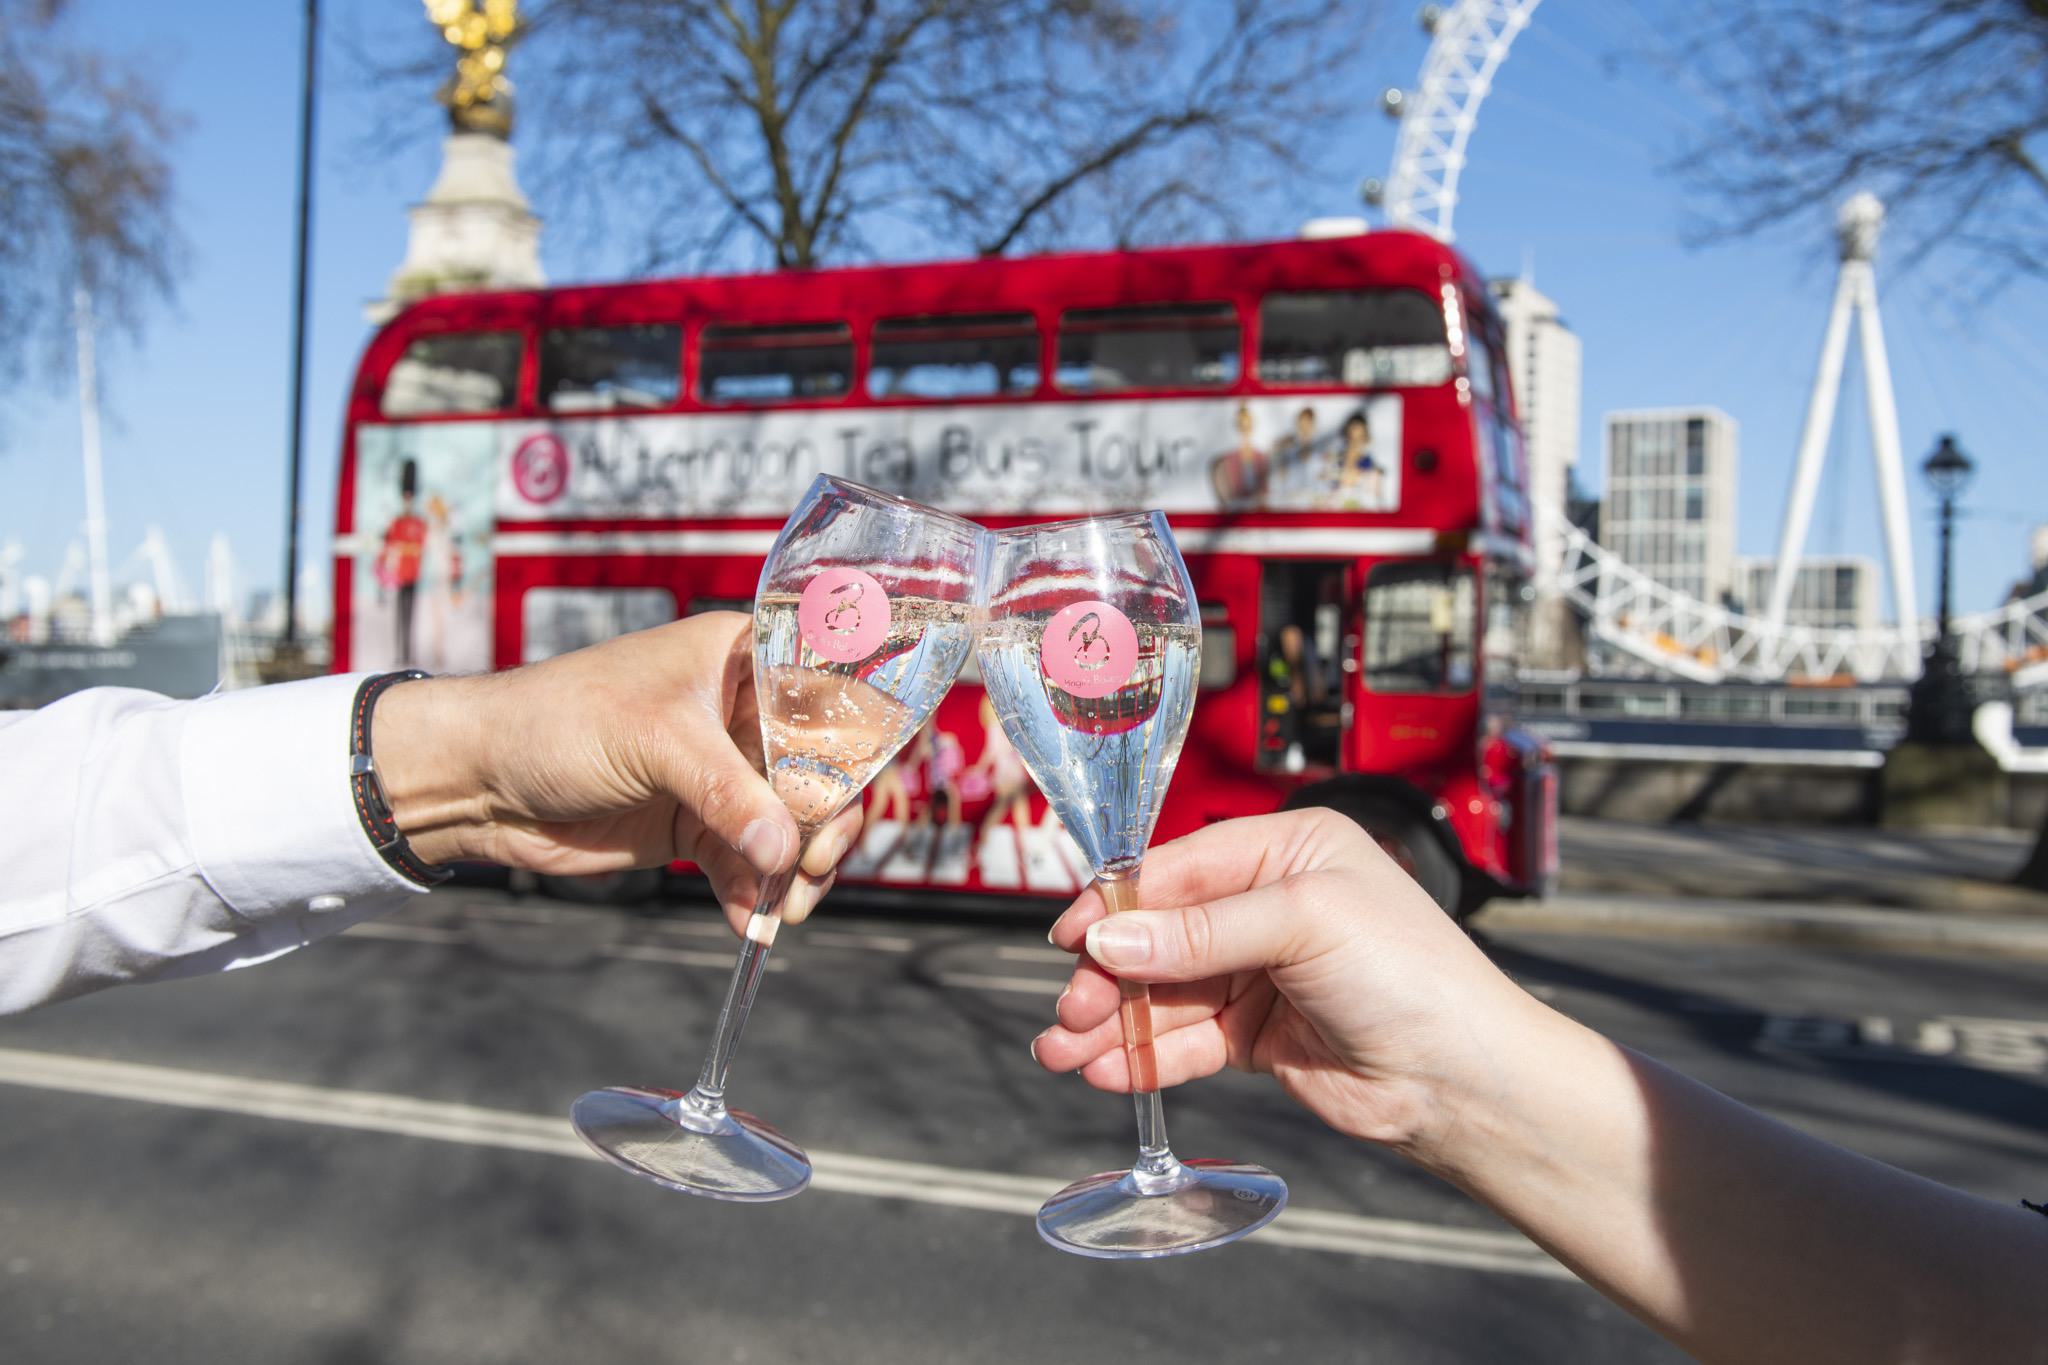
(1089, 649)
(843, 615)
(540, 468)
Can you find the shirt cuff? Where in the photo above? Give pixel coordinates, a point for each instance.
(266, 777)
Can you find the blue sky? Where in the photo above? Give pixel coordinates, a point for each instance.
(1564, 171)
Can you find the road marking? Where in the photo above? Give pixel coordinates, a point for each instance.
(843, 938)
(1011, 952)
(685, 957)
(1348, 1234)
(405, 933)
(631, 952)
(1026, 985)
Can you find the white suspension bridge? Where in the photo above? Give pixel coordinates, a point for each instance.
(1666, 632)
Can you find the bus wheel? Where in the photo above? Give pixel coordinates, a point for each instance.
(606, 888)
(1414, 849)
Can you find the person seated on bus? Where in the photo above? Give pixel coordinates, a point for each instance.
(1291, 945)
(147, 838)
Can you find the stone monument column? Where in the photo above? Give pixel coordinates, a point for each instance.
(475, 230)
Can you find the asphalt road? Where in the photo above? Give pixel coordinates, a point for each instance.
(359, 1153)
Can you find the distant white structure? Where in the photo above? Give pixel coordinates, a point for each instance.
(1668, 506)
(1833, 592)
(474, 230)
(1544, 361)
(1857, 225)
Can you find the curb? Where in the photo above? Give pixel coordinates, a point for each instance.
(1891, 931)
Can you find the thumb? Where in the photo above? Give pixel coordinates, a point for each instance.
(720, 793)
(1241, 933)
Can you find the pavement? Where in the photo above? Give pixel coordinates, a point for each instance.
(359, 1153)
(1878, 890)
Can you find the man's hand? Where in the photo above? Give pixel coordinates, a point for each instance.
(636, 752)
(1290, 944)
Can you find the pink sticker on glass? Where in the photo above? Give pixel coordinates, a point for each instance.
(843, 615)
(1089, 649)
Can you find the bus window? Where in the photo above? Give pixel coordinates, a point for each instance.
(1418, 628)
(968, 356)
(777, 364)
(1302, 647)
(1158, 346)
(454, 372)
(557, 620)
(1219, 648)
(599, 369)
(1363, 338)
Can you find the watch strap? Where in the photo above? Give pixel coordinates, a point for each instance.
(367, 788)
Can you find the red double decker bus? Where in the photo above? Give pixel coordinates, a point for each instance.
(1327, 423)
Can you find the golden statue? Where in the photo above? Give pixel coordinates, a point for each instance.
(478, 96)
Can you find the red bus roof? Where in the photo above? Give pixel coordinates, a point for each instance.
(1044, 285)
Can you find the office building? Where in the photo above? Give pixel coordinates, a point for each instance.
(1668, 505)
(1828, 591)
(1543, 362)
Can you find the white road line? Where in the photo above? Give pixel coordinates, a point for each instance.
(1347, 1234)
(408, 933)
(1028, 985)
(823, 938)
(685, 957)
(1011, 952)
(631, 952)
(515, 914)
(843, 938)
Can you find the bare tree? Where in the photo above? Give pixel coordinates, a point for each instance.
(1938, 106)
(798, 131)
(85, 182)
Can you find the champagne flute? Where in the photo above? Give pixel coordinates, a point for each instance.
(1090, 654)
(865, 613)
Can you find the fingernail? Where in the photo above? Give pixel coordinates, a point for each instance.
(765, 844)
(1034, 1047)
(1118, 943)
(1051, 934)
(1063, 997)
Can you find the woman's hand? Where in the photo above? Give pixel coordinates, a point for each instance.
(1291, 945)
(636, 752)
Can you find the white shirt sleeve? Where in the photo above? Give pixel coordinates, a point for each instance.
(144, 838)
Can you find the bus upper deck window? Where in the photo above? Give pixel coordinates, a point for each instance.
(777, 364)
(1420, 620)
(1362, 338)
(454, 372)
(966, 356)
(1157, 346)
(599, 369)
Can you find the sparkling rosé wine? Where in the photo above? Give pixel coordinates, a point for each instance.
(1103, 762)
(826, 727)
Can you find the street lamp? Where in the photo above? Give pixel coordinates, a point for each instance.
(1941, 702)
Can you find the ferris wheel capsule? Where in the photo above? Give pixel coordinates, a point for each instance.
(1393, 101)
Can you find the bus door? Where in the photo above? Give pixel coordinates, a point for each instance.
(1308, 638)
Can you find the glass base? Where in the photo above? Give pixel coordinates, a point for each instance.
(674, 1140)
(1130, 1215)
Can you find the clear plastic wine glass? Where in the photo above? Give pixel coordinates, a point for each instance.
(866, 611)
(1090, 655)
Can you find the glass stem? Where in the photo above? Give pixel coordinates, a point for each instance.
(706, 1099)
(1156, 1164)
